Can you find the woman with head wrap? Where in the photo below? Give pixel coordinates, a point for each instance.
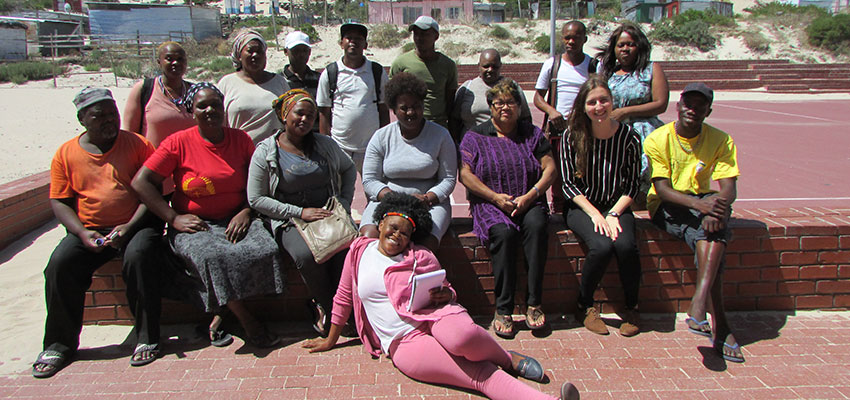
(293, 173)
(438, 343)
(249, 91)
(210, 225)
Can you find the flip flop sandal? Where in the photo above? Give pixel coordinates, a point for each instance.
(141, 348)
(535, 313)
(320, 318)
(528, 368)
(729, 357)
(507, 331)
(52, 358)
(699, 325)
(220, 338)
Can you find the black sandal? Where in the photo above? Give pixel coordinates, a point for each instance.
(152, 349)
(56, 360)
(321, 323)
(507, 331)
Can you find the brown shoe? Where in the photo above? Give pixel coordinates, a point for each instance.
(631, 323)
(592, 321)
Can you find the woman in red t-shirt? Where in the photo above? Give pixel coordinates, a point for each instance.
(210, 224)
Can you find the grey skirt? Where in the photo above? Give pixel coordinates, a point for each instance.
(230, 271)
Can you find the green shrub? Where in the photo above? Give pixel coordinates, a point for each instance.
(499, 32)
(385, 36)
(209, 69)
(519, 23)
(756, 42)
(311, 32)
(832, 33)
(454, 50)
(773, 9)
(711, 17)
(541, 45)
(20, 72)
(693, 33)
(129, 69)
(92, 67)
(408, 47)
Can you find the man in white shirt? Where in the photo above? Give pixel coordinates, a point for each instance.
(349, 95)
(570, 72)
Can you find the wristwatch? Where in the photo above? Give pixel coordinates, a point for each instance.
(614, 214)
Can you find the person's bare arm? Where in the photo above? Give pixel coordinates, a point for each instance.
(717, 206)
(547, 177)
(660, 99)
(147, 185)
(67, 216)
(383, 116)
(132, 117)
(501, 200)
(325, 120)
(555, 118)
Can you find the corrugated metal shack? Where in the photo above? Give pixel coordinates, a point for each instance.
(13, 41)
(154, 20)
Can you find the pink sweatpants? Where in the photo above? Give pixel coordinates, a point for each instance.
(455, 351)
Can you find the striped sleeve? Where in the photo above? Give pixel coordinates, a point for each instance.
(568, 169)
(632, 165)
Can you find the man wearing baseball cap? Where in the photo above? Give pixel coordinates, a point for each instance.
(685, 156)
(438, 71)
(298, 74)
(89, 192)
(351, 108)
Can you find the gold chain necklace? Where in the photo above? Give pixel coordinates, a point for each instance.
(682, 145)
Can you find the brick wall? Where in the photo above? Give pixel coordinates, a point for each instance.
(790, 259)
(24, 205)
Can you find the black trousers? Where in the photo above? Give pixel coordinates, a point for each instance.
(600, 248)
(503, 256)
(321, 279)
(69, 274)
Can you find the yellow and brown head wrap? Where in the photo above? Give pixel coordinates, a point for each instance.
(284, 104)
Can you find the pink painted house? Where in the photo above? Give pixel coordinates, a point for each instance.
(404, 13)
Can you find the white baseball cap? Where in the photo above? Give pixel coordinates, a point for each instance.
(425, 22)
(296, 38)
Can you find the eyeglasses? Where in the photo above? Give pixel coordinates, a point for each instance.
(503, 104)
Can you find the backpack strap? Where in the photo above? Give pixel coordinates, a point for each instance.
(552, 96)
(147, 92)
(591, 67)
(333, 73)
(377, 72)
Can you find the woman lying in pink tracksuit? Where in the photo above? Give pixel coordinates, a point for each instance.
(439, 344)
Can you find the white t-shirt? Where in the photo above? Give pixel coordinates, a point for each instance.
(570, 79)
(354, 114)
(372, 290)
(249, 106)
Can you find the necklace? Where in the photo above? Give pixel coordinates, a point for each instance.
(682, 145)
(167, 90)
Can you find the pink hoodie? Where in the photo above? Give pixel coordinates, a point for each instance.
(417, 260)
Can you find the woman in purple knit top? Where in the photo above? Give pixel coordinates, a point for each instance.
(507, 166)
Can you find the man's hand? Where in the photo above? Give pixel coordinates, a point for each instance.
(118, 237)
(89, 239)
(715, 206)
(557, 122)
(712, 224)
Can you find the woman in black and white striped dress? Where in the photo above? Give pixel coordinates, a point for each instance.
(600, 167)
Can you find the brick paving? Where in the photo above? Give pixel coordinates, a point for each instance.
(802, 355)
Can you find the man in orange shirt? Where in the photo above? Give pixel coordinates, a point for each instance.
(91, 196)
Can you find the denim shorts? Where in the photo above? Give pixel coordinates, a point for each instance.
(686, 224)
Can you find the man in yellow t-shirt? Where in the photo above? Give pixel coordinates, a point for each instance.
(686, 155)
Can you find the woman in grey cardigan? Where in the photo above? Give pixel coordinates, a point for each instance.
(293, 173)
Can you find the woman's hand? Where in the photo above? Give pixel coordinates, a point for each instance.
(613, 226)
(189, 223)
(440, 295)
(600, 225)
(619, 114)
(238, 226)
(505, 202)
(318, 345)
(422, 199)
(522, 204)
(314, 214)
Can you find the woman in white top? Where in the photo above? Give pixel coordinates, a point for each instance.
(250, 91)
(439, 343)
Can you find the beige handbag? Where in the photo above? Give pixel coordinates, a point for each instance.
(329, 235)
